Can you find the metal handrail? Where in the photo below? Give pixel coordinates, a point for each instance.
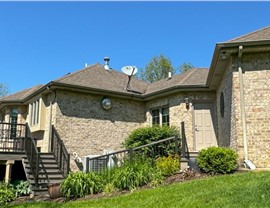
(60, 152)
(130, 152)
(32, 154)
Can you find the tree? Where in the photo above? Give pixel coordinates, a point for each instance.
(3, 90)
(157, 69)
(185, 67)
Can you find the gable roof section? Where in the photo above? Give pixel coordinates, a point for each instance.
(258, 35)
(21, 95)
(193, 78)
(96, 77)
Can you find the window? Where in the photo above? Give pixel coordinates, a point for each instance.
(160, 116)
(13, 121)
(34, 113)
(222, 106)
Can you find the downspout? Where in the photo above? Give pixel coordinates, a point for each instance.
(50, 118)
(242, 107)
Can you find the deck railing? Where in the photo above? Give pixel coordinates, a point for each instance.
(32, 154)
(60, 152)
(12, 137)
(152, 150)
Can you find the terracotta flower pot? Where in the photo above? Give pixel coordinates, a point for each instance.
(54, 190)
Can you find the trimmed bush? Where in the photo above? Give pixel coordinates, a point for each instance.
(168, 165)
(147, 135)
(80, 184)
(217, 160)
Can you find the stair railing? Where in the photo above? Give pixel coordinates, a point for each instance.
(60, 152)
(32, 154)
(184, 146)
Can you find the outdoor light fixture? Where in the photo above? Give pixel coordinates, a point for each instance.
(106, 103)
(186, 100)
(223, 55)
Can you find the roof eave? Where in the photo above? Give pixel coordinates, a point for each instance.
(175, 89)
(58, 85)
(233, 47)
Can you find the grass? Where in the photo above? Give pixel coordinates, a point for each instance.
(248, 190)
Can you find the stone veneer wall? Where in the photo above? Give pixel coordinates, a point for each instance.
(87, 129)
(178, 112)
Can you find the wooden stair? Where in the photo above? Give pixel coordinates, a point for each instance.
(49, 173)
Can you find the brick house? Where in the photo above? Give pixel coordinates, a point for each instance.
(92, 110)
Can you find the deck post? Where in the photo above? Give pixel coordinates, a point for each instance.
(9, 164)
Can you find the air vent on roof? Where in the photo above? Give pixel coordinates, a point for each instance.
(106, 64)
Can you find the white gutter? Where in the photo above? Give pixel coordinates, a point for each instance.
(50, 119)
(242, 107)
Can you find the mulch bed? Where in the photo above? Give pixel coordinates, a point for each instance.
(177, 178)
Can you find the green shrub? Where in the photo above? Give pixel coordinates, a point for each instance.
(217, 160)
(81, 184)
(147, 135)
(21, 188)
(7, 193)
(168, 165)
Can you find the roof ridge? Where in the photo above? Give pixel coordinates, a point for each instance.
(189, 74)
(76, 72)
(248, 34)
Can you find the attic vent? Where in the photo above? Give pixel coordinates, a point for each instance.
(106, 64)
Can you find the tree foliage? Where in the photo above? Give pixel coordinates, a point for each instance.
(185, 67)
(3, 90)
(157, 69)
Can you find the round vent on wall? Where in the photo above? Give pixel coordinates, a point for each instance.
(106, 103)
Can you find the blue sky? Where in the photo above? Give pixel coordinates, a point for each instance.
(41, 41)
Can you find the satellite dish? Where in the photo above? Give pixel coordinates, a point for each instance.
(129, 70)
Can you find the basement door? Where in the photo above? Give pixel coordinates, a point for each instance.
(203, 126)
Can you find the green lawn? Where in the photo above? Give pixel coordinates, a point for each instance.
(237, 190)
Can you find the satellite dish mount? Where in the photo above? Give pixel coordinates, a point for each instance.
(130, 71)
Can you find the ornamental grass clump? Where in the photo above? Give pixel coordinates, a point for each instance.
(215, 160)
(132, 174)
(80, 184)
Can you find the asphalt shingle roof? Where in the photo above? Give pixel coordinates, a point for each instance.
(262, 34)
(194, 77)
(21, 95)
(97, 77)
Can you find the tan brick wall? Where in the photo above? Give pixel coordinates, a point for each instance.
(256, 68)
(88, 129)
(227, 124)
(256, 76)
(178, 112)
